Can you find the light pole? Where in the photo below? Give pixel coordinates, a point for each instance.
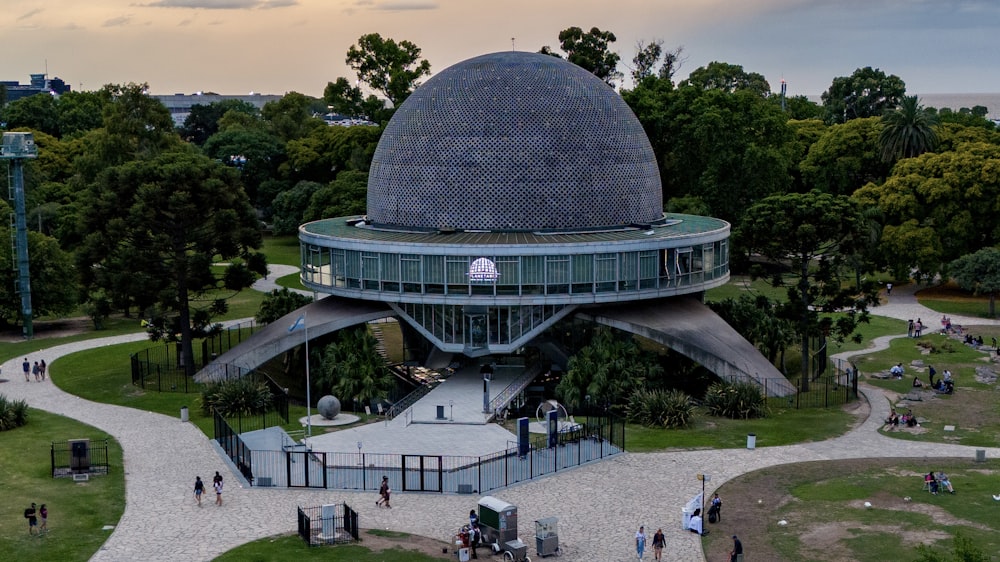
(451, 410)
(487, 372)
(360, 459)
(704, 478)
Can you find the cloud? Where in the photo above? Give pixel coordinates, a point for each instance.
(34, 12)
(396, 5)
(120, 21)
(222, 4)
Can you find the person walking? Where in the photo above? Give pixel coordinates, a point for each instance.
(737, 553)
(37, 371)
(383, 493)
(715, 509)
(659, 541)
(42, 367)
(640, 541)
(31, 515)
(43, 512)
(217, 484)
(199, 489)
(888, 290)
(27, 369)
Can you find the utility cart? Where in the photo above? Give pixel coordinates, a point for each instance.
(498, 524)
(547, 536)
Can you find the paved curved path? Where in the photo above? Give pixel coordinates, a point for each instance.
(599, 505)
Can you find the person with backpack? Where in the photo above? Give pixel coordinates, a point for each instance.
(30, 515)
(715, 509)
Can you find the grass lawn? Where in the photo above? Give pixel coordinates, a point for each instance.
(77, 511)
(740, 284)
(782, 427)
(949, 299)
(282, 250)
(376, 546)
(822, 504)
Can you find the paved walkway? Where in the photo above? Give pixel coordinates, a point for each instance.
(599, 505)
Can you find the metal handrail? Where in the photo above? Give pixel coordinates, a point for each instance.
(516, 386)
(410, 399)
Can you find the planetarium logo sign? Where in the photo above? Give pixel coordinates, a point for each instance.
(483, 270)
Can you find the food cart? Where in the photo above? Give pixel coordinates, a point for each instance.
(547, 536)
(498, 524)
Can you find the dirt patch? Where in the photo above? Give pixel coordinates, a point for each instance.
(50, 329)
(424, 545)
(755, 505)
(431, 547)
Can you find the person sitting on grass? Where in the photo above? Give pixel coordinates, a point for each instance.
(916, 382)
(892, 422)
(911, 420)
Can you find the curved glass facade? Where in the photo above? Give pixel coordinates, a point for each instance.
(491, 292)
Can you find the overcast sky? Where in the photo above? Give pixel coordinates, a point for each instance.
(276, 46)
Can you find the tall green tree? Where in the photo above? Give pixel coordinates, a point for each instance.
(938, 206)
(868, 92)
(727, 78)
(810, 234)
(908, 131)
(38, 112)
(979, 272)
(182, 223)
(844, 158)
(395, 69)
(590, 50)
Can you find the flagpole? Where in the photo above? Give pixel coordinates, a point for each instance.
(308, 395)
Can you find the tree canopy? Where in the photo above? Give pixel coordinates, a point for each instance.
(810, 234)
(908, 131)
(868, 92)
(590, 50)
(395, 69)
(157, 226)
(979, 272)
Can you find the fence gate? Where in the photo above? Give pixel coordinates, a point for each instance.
(306, 469)
(422, 473)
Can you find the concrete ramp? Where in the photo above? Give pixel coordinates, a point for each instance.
(689, 327)
(321, 317)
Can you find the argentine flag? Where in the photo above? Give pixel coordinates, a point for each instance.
(300, 322)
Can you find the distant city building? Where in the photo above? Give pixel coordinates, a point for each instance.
(39, 84)
(338, 120)
(180, 105)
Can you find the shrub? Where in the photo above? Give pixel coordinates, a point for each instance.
(741, 400)
(13, 413)
(242, 396)
(660, 408)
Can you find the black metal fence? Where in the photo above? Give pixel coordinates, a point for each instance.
(328, 524)
(824, 391)
(293, 466)
(79, 456)
(161, 367)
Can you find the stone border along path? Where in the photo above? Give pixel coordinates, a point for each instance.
(599, 505)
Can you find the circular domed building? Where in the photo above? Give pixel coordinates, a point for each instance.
(506, 192)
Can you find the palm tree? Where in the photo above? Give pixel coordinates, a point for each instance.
(908, 131)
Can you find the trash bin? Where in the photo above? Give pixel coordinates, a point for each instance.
(184, 413)
(980, 455)
(751, 440)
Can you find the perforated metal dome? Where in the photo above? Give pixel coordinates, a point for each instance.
(514, 141)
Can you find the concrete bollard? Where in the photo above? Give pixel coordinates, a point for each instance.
(184, 413)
